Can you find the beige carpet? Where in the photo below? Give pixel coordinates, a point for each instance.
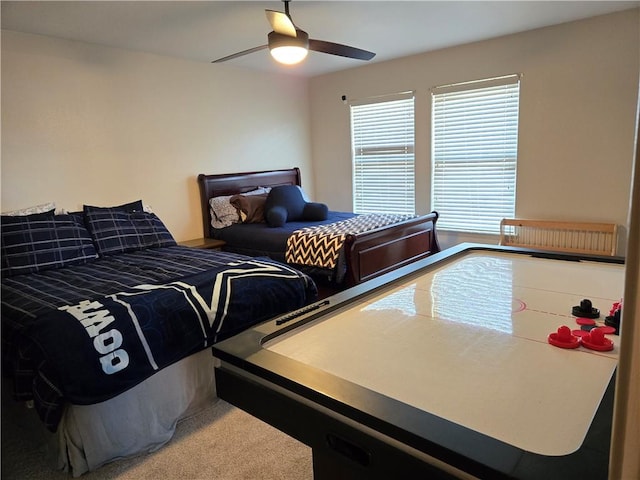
(220, 443)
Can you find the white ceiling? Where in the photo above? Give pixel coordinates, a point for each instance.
(207, 30)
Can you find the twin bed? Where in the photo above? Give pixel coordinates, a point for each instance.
(102, 310)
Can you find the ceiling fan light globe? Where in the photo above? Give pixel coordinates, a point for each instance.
(289, 55)
(287, 49)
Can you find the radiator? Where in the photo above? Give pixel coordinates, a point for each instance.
(570, 237)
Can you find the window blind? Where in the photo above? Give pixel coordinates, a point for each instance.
(383, 156)
(475, 149)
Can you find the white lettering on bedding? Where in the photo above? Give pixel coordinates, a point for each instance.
(114, 361)
(107, 343)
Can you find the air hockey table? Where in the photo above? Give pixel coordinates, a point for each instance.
(441, 369)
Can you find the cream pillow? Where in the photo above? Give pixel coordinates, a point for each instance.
(43, 207)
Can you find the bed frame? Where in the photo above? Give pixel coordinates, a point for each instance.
(367, 255)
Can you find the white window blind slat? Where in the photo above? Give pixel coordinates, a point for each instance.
(474, 154)
(383, 156)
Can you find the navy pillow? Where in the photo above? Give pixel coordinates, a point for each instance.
(276, 216)
(126, 207)
(117, 231)
(287, 197)
(43, 241)
(286, 203)
(314, 212)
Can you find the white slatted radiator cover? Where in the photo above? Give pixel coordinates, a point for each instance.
(570, 237)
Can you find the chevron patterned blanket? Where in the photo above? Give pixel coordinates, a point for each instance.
(320, 246)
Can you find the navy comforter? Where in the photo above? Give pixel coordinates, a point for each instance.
(91, 347)
(259, 239)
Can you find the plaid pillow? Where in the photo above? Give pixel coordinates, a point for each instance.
(130, 207)
(43, 241)
(116, 231)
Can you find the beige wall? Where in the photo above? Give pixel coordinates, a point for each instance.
(87, 124)
(577, 116)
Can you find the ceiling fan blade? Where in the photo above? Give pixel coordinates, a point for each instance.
(281, 23)
(341, 50)
(240, 54)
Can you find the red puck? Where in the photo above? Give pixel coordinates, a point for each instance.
(607, 330)
(580, 333)
(585, 321)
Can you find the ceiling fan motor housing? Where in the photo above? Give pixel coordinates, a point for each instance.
(279, 40)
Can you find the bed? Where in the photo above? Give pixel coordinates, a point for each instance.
(107, 324)
(363, 255)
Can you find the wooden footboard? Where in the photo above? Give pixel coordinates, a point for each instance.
(379, 251)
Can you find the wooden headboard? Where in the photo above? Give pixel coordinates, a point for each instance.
(233, 183)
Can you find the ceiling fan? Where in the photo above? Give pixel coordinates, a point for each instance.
(289, 45)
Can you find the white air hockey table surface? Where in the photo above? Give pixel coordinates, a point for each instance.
(467, 341)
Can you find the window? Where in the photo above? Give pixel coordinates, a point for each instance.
(474, 153)
(383, 155)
